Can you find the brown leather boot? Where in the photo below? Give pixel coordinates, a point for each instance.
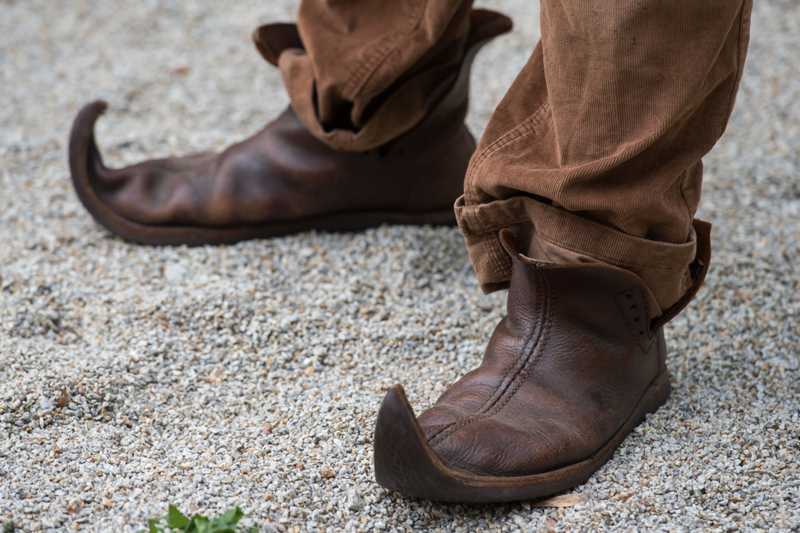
(283, 179)
(568, 373)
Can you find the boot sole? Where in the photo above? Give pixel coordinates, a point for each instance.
(82, 141)
(406, 463)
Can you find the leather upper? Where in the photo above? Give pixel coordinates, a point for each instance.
(284, 173)
(561, 374)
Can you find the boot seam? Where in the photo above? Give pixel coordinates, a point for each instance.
(508, 394)
(445, 427)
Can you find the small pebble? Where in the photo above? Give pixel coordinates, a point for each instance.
(354, 501)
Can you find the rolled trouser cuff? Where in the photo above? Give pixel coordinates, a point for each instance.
(404, 108)
(671, 271)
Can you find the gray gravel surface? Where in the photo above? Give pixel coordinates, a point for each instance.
(132, 376)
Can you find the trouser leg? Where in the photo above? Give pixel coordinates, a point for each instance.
(594, 154)
(371, 70)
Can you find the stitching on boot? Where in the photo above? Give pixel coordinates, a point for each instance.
(444, 427)
(541, 327)
(551, 306)
(508, 394)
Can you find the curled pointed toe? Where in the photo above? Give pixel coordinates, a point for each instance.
(151, 202)
(85, 162)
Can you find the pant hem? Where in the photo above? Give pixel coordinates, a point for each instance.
(561, 236)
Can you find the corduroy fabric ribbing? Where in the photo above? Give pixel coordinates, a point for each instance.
(370, 70)
(595, 151)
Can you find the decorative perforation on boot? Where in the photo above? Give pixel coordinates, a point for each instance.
(636, 310)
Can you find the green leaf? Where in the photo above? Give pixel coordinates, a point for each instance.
(231, 517)
(9, 527)
(153, 523)
(176, 519)
(177, 522)
(199, 524)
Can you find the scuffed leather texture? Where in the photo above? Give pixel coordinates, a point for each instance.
(562, 373)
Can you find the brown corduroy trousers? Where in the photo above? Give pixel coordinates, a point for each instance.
(593, 155)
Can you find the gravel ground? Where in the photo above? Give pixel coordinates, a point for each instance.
(132, 377)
